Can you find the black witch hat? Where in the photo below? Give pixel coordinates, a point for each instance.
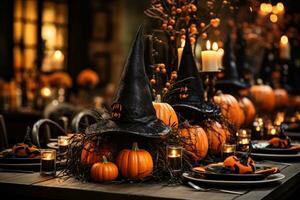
(187, 94)
(132, 110)
(231, 81)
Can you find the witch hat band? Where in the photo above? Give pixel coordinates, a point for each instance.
(132, 110)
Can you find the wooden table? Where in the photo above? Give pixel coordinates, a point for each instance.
(34, 186)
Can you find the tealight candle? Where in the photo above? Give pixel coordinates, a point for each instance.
(174, 157)
(272, 132)
(228, 150)
(244, 133)
(209, 59)
(48, 162)
(243, 143)
(63, 142)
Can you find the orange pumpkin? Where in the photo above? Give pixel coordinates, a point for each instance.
(238, 167)
(263, 97)
(135, 163)
(230, 108)
(281, 97)
(294, 100)
(216, 135)
(277, 142)
(248, 109)
(89, 154)
(104, 171)
(195, 141)
(166, 114)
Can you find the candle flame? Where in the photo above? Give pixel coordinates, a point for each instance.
(280, 7)
(215, 46)
(58, 55)
(208, 45)
(182, 43)
(284, 39)
(269, 8)
(46, 92)
(273, 18)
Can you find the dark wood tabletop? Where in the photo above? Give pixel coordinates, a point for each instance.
(35, 186)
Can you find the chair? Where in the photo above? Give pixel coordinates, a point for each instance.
(85, 118)
(3, 134)
(42, 138)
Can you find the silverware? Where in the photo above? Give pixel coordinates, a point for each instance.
(213, 189)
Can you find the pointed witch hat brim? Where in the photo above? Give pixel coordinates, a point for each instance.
(132, 111)
(189, 85)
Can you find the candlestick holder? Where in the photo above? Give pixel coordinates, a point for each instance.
(174, 158)
(48, 162)
(210, 81)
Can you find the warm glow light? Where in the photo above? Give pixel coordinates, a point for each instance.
(215, 46)
(269, 8)
(46, 92)
(280, 7)
(275, 10)
(58, 55)
(263, 7)
(182, 43)
(221, 51)
(208, 45)
(284, 39)
(273, 18)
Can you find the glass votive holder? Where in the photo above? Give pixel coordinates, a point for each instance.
(272, 132)
(244, 133)
(243, 143)
(48, 162)
(228, 150)
(174, 157)
(63, 143)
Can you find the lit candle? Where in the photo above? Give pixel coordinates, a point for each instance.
(174, 157)
(180, 50)
(209, 59)
(244, 133)
(48, 162)
(46, 92)
(284, 48)
(228, 150)
(58, 59)
(63, 142)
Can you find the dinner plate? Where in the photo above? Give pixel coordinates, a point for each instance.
(52, 145)
(262, 147)
(218, 173)
(269, 179)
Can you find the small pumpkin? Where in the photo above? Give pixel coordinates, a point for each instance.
(216, 135)
(195, 141)
(104, 171)
(230, 108)
(166, 114)
(248, 109)
(263, 97)
(239, 166)
(135, 163)
(89, 154)
(281, 97)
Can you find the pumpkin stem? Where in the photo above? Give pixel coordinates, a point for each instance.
(157, 99)
(104, 159)
(135, 146)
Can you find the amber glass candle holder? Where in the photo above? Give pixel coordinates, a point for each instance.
(63, 143)
(174, 157)
(48, 162)
(228, 150)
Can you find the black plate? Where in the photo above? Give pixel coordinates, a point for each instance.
(214, 173)
(268, 150)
